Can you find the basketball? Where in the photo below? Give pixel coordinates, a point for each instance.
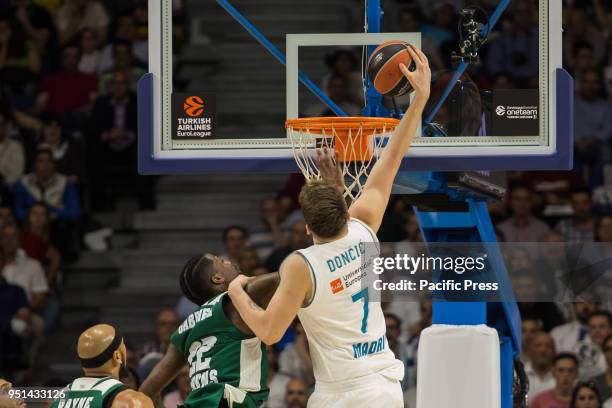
(383, 68)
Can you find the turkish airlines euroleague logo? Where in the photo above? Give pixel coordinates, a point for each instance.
(194, 116)
(194, 106)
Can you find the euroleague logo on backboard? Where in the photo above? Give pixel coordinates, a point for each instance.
(193, 115)
(194, 106)
(500, 110)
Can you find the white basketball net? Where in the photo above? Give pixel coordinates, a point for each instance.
(305, 142)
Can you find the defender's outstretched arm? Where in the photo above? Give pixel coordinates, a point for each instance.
(163, 374)
(371, 204)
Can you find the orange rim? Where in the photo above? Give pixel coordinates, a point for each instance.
(341, 122)
(352, 135)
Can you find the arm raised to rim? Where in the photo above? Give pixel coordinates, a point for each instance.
(371, 204)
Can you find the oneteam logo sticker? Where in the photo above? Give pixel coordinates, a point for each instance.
(336, 286)
(500, 110)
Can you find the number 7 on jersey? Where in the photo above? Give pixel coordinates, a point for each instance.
(365, 295)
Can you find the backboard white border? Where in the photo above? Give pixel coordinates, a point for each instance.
(160, 50)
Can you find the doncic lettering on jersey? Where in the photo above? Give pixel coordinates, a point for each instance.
(352, 254)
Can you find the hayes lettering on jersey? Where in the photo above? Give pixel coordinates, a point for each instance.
(84, 402)
(352, 254)
(373, 347)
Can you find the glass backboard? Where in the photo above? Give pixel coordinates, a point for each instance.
(218, 100)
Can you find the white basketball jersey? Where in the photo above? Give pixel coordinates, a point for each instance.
(346, 332)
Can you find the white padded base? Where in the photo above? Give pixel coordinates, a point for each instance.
(458, 367)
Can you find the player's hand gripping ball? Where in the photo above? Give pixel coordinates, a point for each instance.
(384, 71)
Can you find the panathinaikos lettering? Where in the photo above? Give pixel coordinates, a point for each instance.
(346, 257)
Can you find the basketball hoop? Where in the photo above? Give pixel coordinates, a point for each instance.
(356, 141)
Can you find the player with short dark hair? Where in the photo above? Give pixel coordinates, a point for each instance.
(322, 284)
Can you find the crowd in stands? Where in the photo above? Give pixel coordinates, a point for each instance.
(48, 188)
(68, 73)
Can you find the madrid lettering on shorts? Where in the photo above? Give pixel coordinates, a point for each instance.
(84, 402)
(367, 348)
(200, 372)
(352, 254)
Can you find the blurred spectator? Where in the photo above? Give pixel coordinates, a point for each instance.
(67, 91)
(444, 24)
(37, 23)
(90, 54)
(248, 261)
(234, 242)
(585, 395)
(298, 239)
(568, 335)
(402, 352)
(19, 57)
(603, 382)
(132, 358)
(539, 367)
(592, 126)
(125, 31)
(411, 21)
(579, 228)
(579, 29)
(67, 155)
(14, 324)
(603, 11)
(343, 63)
(268, 235)
(584, 61)
(296, 395)
(112, 144)
(165, 324)
(177, 397)
(12, 158)
(565, 372)
(608, 68)
(515, 51)
(25, 272)
(530, 325)
(589, 351)
(60, 196)
(141, 18)
(522, 226)
(603, 229)
(295, 359)
(35, 242)
(22, 270)
(289, 196)
(339, 92)
(277, 381)
(415, 330)
(76, 15)
(123, 65)
(6, 216)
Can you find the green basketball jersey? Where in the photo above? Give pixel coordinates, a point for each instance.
(224, 363)
(90, 392)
